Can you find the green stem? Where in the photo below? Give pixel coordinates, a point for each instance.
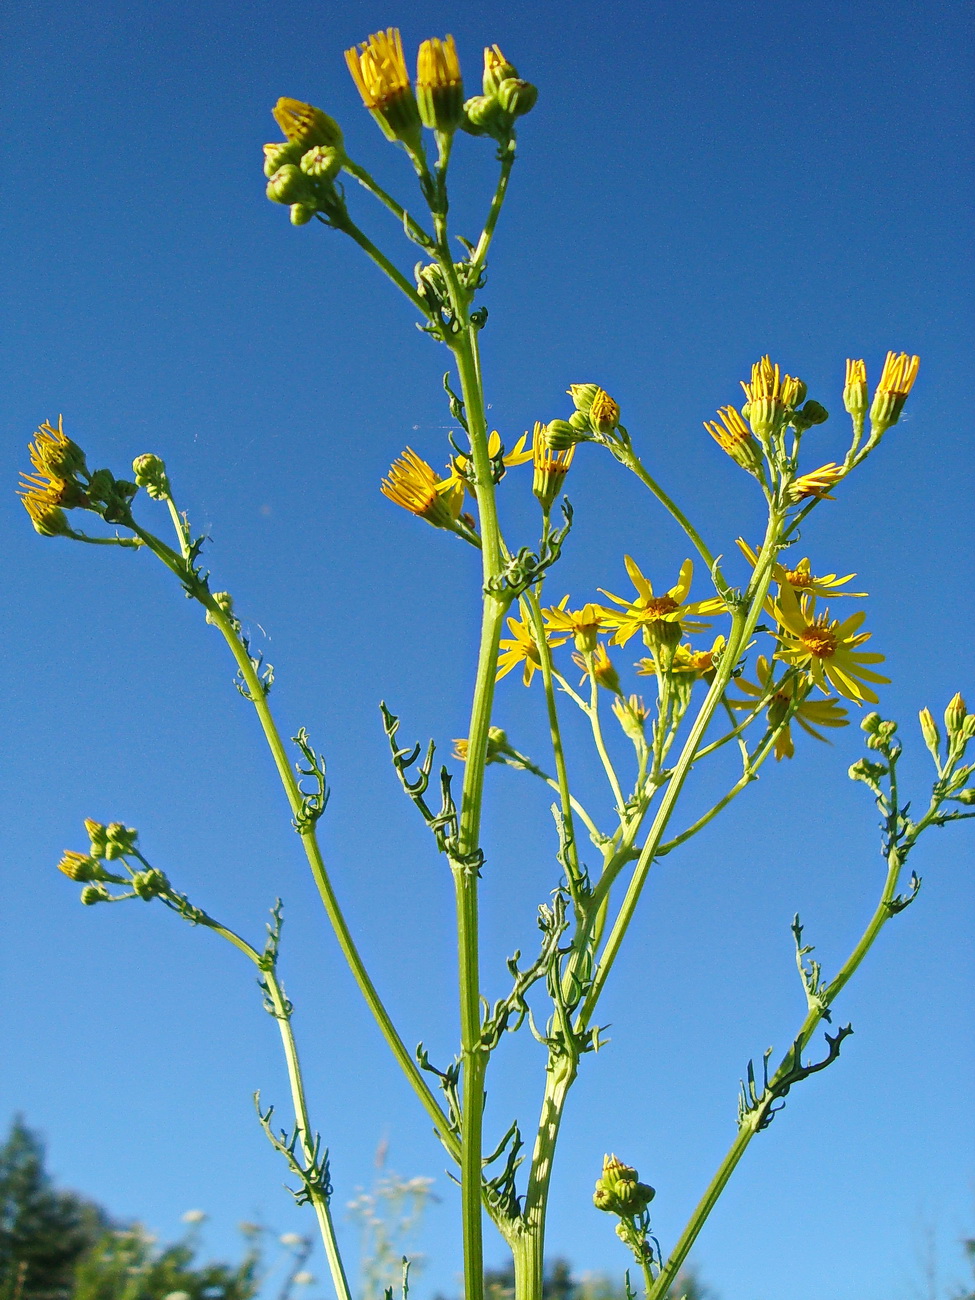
(314, 855)
(597, 735)
(631, 460)
(741, 629)
(410, 224)
(747, 1131)
(571, 848)
(348, 227)
(281, 1011)
(487, 234)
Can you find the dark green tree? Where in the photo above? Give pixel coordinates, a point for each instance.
(44, 1232)
(125, 1265)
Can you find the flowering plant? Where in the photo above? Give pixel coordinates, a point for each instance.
(808, 666)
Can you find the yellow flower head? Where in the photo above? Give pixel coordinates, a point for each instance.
(631, 714)
(581, 624)
(439, 88)
(57, 461)
(817, 483)
(520, 649)
(855, 388)
(603, 668)
(770, 397)
(378, 69)
(661, 619)
(460, 465)
(305, 125)
(551, 467)
(697, 664)
(790, 704)
(414, 485)
(896, 381)
(826, 649)
(734, 437)
(801, 579)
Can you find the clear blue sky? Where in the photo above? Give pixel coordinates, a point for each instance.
(700, 183)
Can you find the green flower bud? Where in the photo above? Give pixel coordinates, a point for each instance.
(579, 422)
(94, 894)
(812, 413)
(955, 714)
(871, 724)
(483, 116)
(119, 840)
(48, 519)
(496, 70)
(559, 434)
(966, 797)
(618, 1190)
(280, 152)
(301, 214)
(150, 473)
(289, 185)
(864, 770)
(583, 396)
(97, 836)
(101, 486)
(149, 884)
(929, 730)
(517, 97)
(322, 163)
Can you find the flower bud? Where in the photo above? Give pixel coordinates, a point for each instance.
(896, 381)
(322, 163)
(305, 125)
(583, 396)
(79, 866)
(551, 467)
(929, 730)
(604, 412)
(810, 414)
(301, 214)
(579, 422)
(439, 88)
(559, 434)
(619, 1191)
(483, 116)
(149, 884)
(150, 473)
(97, 835)
(517, 97)
(955, 715)
(289, 185)
(855, 394)
(119, 840)
(48, 519)
(496, 69)
(94, 894)
(864, 770)
(966, 797)
(280, 152)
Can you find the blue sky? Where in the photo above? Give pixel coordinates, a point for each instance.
(699, 184)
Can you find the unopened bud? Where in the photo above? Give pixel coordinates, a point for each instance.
(119, 840)
(619, 1191)
(289, 184)
(302, 213)
(955, 714)
(560, 434)
(94, 894)
(855, 394)
(322, 163)
(280, 152)
(483, 115)
(150, 473)
(517, 97)
(966, 797)
(929, 730)
(306, 125)
(496, 70)
(604, 412)
(79, 866)
(583, 396)
(810, 414)
(149, 884)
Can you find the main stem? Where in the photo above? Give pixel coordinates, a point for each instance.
(494, 606)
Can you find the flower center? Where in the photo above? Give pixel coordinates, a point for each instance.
(819, 641)
(659, 606)
(798, 578)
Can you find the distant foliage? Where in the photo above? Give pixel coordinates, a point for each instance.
(125, 1265)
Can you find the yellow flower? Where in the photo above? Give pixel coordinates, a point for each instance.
(581, 624)
(603, 668)
(698, 663)
(460, 465)
(414, 485)
(896, 381)
(808, 713)
(855, 388)
(631, 714)
(521, 649)
(824, 648)
(817, 483)
(551, 467)
(734, 437)
(801, 579)
(604, 413)
(378, 69)
(770, 397)
(439, 88)
(305, 125)
(57, 461)
(660, 618)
